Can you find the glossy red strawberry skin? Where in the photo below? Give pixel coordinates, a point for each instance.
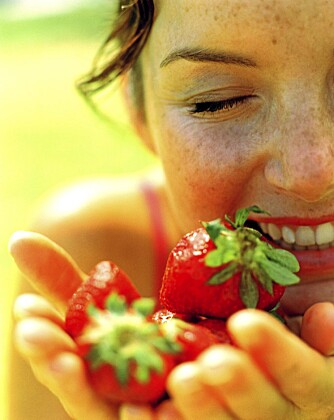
(104, 279)
(194, 340)
(193, 337)
(185, 289)
(106, 384)
(218, 328)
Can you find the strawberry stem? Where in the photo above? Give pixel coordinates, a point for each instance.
(122, 336)
(242, 250)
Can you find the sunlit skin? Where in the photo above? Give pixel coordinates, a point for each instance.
(273, 148)
(239, 106)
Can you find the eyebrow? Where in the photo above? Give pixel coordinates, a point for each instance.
(205, 55)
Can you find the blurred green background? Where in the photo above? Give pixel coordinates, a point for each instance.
(48, 134)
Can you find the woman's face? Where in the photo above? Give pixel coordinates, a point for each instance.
(239, 99)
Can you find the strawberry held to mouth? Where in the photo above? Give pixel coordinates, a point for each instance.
(221, 268)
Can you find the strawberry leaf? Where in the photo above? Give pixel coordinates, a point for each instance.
(220, 256)
(254, 232)
(264, 280)
(213, 228)
(122, 371)
(224, 275)
(275, 314)
(242, 215)
(147, 360)
(249, 293)
(279, 274)
(116, 304)
(282, 257)
(144, 306)
(92, 310)
(142, 374)
(165, 346)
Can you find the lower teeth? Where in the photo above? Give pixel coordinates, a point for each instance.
(296, 247)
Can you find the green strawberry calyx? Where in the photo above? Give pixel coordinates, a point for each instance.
(242, 250)
(123, 337)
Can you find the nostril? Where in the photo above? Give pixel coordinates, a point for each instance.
(273, 173)
(309, 179)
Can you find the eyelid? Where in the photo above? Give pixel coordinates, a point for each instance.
(215, 95)
(223, 105)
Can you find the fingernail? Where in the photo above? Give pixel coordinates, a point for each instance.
(132, 411)
(22, 306)
(25, 335)
(185, 379)
(61, 363)
(25, 338)
(167, 411)
(216, 366)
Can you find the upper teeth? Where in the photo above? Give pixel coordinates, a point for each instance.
(314, 237)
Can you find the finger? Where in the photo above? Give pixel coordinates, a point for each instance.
(318, 328)
(51, 271)
(49, 350)
(294, 324)
(40, 338)
(238, 382)
(167, 411)
(192, 399)
(31, 305)
(302, 374)
(135, 412)
(66, 378)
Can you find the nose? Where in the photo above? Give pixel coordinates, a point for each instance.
(302, 162)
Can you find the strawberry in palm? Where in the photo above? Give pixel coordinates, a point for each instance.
(129, 350)
(127, 356)
(219, 269)
(104, 279)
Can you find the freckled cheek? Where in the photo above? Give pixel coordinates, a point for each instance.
(201, 173)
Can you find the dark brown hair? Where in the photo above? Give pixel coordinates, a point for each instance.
(120, 51)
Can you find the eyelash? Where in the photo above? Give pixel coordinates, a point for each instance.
(212, 107)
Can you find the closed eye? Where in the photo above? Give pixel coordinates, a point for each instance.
(216, 106)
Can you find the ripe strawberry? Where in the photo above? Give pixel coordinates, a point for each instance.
(219, 269)
(217, 327)
(127, 355)
(105, 278)
(193, 337)
(129, 352)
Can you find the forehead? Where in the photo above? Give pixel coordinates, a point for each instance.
(232, 24)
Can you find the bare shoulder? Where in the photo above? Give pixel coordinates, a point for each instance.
(106, 218)
(97, 201)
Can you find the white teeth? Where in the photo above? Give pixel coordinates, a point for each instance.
(288, 235)
(274, 231)
(300, 247)
(264, 227)
(324, 233)
(302, 237)
(285, 245)
(324, 246)
(305, 236)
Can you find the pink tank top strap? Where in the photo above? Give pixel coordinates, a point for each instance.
(159, 235)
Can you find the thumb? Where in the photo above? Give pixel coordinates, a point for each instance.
(47, 266)
(317, 328)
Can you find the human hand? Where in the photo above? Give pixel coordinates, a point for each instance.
(270, 374)
(41, 340)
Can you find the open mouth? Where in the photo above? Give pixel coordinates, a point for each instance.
(312, 243)
(298, 238)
